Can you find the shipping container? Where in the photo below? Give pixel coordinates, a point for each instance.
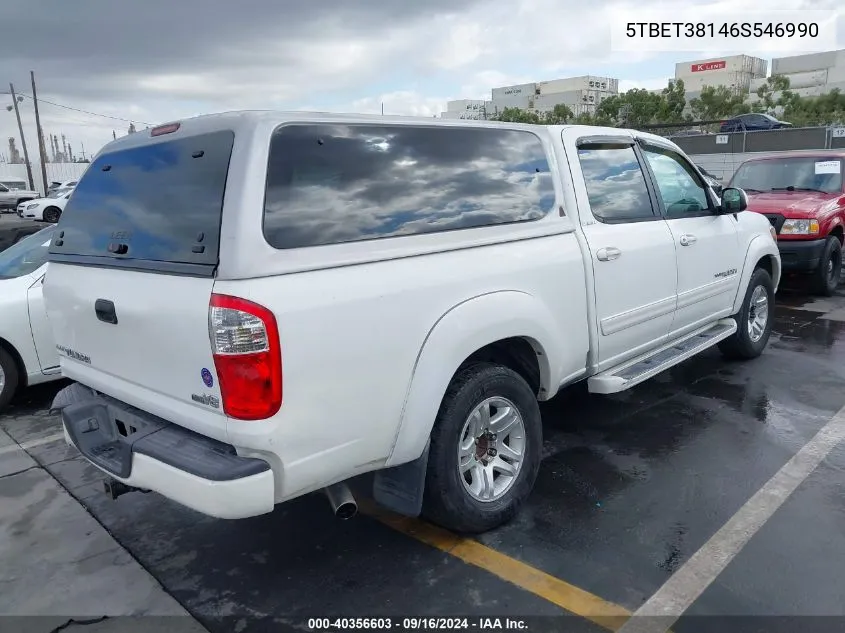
(756, 83)
(520, 90)
(466, 115)
(754, 66)
(513, 101)
(805, 63)
(808, 79)
(572, 97)
(736, 81)
(586, 82)
(836, 74)
(798, 80)
(459, 105)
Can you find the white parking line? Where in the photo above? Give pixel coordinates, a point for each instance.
(32, 443)
(660, 611)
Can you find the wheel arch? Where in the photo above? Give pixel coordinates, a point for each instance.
(761, 253)
(475, 330)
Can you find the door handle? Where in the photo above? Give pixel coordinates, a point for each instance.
(105, 311)
(607, 254)
(688, 240)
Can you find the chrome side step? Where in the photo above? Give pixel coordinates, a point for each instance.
(640, 369)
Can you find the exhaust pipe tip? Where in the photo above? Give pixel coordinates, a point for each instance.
(346, 511)
(343, 503)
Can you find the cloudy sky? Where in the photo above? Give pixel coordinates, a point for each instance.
(152, 61)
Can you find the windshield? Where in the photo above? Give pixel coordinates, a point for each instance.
(26, 256)
(14, 185)
(58, 193)
(786, 174)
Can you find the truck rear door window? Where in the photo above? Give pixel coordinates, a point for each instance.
(155, 206)
(334, 183)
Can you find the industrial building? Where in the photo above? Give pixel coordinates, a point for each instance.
(809, 75)
(579, 94)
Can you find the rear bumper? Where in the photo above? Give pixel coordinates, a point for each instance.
(147, 452)
(800, 255)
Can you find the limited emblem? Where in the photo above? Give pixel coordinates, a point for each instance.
(204, 398)
(207, 378)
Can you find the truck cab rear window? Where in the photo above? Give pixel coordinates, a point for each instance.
(160, 202)
(335, 183)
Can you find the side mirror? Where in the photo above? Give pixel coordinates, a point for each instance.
(733, 200)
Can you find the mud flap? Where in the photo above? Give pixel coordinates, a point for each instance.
(71, 394)
(400, 488)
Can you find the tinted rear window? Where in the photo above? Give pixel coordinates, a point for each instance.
(328, 184)
(160, 203)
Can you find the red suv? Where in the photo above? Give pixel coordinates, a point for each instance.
(802, 195)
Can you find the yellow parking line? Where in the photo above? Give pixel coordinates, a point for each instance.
(575, 600)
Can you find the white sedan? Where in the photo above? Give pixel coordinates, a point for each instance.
(47, 209)
(27, 351)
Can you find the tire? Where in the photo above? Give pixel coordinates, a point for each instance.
(9, 378)
(742, 345)
(446, 499)
(826, 276)
(52, 214)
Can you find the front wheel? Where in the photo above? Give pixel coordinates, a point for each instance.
(52, 215)
(8, 378)
(485, 450)
(754, 319)
(826, 276)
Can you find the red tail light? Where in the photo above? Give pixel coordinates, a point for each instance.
(247, 357)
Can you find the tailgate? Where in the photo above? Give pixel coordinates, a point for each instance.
(131, 275)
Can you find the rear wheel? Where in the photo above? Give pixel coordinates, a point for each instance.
(52, 214)
(485, 450)
(754, 319)
(826, 276)
(8, 378)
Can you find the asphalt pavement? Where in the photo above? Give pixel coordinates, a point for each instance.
(713, 491)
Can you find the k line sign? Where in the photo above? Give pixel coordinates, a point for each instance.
(697, 68)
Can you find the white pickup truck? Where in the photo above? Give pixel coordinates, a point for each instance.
(258, 305)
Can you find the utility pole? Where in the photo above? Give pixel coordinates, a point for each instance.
(41, 150)
(23, 139)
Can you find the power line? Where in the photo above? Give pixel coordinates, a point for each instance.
(67, 107)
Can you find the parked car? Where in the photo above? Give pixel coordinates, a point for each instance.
(751, 122)
(686, 133)
(47, 209)
(66, 184)
(711, 180)
(11, 198)
(254, 306)
(27, 352)
(803, 198)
